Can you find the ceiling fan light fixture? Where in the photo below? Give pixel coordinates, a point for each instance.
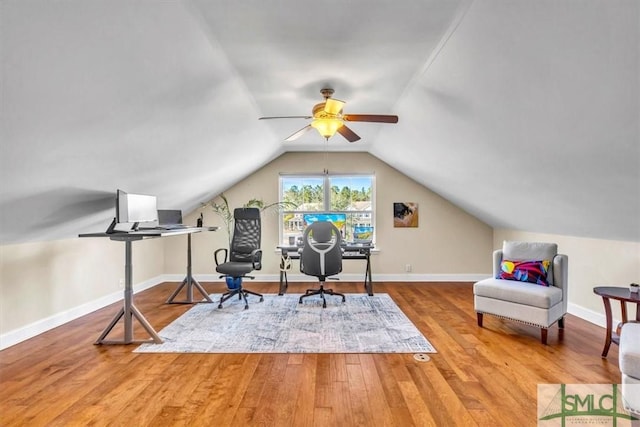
(328, 119)
(333, 106)
(327, 127)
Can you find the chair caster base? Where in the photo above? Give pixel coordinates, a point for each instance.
(322, 292)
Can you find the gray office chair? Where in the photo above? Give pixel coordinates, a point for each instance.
(321, 257)
(244, 254)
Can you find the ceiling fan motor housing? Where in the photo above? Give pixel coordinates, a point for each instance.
(326, 92)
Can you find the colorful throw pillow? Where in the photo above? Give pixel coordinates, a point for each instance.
(525, 271)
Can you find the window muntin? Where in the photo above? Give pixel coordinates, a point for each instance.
(349, 194)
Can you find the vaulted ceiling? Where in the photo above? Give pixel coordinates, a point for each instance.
(524, 113)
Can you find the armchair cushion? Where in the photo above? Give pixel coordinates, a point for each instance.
(519, 292)
(525, 271)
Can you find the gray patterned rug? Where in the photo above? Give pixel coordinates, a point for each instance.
(364, 324)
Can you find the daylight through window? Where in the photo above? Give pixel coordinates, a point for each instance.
(347, 200)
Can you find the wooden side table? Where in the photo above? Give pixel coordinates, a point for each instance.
(624, 296)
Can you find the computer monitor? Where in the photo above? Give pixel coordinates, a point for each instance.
(337, 219)
(169, 216)
(135, 208)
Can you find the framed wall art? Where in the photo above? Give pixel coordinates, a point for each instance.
(405, 214)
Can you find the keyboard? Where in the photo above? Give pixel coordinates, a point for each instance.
(172, 227)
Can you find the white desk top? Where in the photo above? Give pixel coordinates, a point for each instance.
(136, 235)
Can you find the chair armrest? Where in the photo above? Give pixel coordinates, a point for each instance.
(256, 259)
(561, 277)
(217, 253)
(497, 259)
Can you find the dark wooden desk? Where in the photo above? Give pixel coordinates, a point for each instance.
(624, 296)
(356, 251)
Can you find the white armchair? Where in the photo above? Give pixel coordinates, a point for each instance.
(515, 295)
(629, 361)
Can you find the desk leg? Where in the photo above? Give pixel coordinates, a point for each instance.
(189, 282)
(129, 310)
(368, 279)
(607, 310)
(284, 282)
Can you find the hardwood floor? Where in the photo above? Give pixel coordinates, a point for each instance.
(480, 376)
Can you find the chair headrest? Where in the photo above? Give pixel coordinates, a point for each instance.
(321, 231)
(246, 213)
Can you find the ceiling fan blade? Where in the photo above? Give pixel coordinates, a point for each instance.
(348, 133)
(333, 106)
(285, 117)
(379, 118)
(299, 133)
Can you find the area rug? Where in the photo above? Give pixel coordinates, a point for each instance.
(279, 324)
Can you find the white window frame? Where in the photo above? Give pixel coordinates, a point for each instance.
(326, 183)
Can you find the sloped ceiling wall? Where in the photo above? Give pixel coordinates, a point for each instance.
(526, 114)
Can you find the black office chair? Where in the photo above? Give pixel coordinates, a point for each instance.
(244, 255)
(321, 257)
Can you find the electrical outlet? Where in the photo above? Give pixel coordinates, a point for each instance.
(121, 283)
(407, 268)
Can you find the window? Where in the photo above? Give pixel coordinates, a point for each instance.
(348, 198)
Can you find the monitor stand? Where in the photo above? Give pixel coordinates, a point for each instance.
(112, 227)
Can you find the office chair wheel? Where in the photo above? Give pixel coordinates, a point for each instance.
(261, 299)
(246, 307)
(219, 305)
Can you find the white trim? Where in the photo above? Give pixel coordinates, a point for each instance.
(345, 277)
(43, 325)
(428, 277)
(591, 316)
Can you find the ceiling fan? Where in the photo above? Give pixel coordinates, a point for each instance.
(328, 119)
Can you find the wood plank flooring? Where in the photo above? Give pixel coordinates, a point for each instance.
(480, 376)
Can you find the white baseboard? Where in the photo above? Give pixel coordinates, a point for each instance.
(591, 316)
(350, 277)
(43, 325)
(36, 328)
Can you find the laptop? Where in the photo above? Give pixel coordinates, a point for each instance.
(170, 219)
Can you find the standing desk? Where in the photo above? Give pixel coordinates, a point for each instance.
(350, 251)
(129, 310)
